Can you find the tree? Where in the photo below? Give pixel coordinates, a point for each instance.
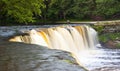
(21, 11)
(24, 11)
(58, 9)
(45, 12)
(107, 8)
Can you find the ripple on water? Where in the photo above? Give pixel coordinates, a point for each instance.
(99, 58)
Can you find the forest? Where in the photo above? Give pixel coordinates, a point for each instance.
(36, 11)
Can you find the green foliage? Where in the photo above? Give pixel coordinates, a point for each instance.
(99, 28)
(118, 45)
(104, 7)
(21, 10)
(83, 9)
(109, 36)
(103, 38)
(59, 9)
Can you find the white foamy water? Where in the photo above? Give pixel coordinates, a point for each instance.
(99, 58)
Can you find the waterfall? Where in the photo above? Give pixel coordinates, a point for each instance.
(74, 39)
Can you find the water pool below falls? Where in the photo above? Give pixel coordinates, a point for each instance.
(81, 41)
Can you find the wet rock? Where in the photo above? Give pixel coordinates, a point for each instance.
(110, 44)
(28, 57)
(107, 69)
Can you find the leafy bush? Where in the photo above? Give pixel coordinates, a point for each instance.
(98, 28)
(118, 45)
(109, 36)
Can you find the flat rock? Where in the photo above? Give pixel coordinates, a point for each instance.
(28, 57)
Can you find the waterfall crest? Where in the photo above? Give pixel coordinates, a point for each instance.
(73, 39)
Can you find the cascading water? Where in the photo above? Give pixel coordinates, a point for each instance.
(81, 41)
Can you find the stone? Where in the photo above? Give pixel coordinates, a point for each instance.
(110, 44)
(107, 69)
(16, 56)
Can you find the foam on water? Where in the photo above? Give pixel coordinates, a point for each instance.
(99, 58)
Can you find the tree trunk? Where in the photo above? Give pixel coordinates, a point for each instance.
(64, 15)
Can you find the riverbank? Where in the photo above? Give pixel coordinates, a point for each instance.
(112, 22)
(108, 34)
